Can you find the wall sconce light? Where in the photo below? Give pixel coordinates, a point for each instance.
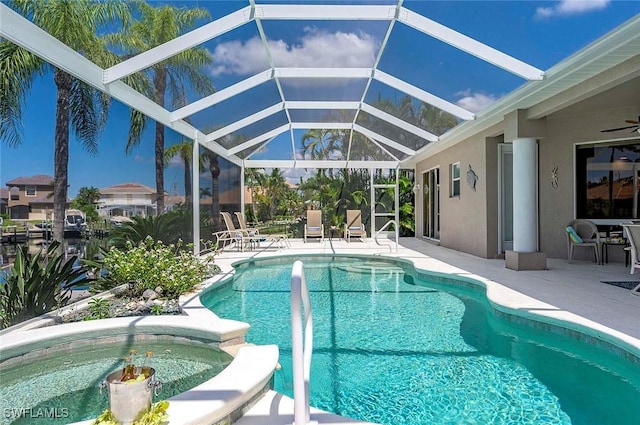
(416, 188)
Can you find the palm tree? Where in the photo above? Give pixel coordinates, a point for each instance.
(435, 120)
(156, 26)
(211, 160)
(253, 178)
(78, 106)
(185, 150)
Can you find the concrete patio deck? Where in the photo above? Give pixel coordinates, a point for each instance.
(567, 292)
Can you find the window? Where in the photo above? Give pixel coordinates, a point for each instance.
(30, 190)
(607, 180)
(454, 172)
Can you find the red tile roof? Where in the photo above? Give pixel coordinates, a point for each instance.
(37, 180)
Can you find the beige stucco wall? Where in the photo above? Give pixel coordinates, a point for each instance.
(564, 131)
(470, 223)
(465, 220)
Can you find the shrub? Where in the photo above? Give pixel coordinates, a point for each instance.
(165, 228)
(38, 284)
(152, 263)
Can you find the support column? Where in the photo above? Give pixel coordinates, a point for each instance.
(525, 209)
(195, 198)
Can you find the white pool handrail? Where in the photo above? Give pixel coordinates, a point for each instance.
(395, 228)
(301, 353)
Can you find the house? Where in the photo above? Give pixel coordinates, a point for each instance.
(508, 183)
(30, 198)
(127, 200)
(4, 200)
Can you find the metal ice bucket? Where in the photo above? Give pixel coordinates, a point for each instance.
(128, 402)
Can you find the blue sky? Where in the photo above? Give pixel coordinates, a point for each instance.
(538, 33)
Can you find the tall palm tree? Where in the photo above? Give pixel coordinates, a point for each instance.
(319, 144)
(183, 149)
(253, 178)
(156, 26)
(210, 158)
(78, 106)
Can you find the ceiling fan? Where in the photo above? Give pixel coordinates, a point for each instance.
(635, 127)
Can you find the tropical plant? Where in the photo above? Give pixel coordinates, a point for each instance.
(152, 263)
(166, 227)
(78, 106)
(86, 202)
(38, 283)
(158, 25)
(98, 309)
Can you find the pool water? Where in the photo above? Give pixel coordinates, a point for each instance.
(68, 382)
(394, 348)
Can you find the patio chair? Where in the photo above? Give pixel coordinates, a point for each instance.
(240, 237)
(314, 228)
(242, 222)
(633, 234)
(583, 233)
(280, 239)
(353, 226)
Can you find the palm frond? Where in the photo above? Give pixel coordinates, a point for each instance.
(87, 114)
(18, 68)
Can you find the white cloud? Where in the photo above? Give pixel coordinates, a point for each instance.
(474, 102)
(292, 175)
(176, 161)
(315, 49)
(570, 7)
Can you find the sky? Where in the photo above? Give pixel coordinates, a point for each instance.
(540, 33)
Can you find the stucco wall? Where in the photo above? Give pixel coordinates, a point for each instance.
(463, 219)
(470, 223)
(564, 130)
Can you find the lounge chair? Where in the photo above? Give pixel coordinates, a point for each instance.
(314, 227)
(583, 233)
(242, 222)
(353, 226)
(240, 237)
(280, 239)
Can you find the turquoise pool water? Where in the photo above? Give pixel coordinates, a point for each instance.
(67, 382)
(394, 348)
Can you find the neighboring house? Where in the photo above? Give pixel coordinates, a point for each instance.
(4, 200)
(30, 198)
(127, 200)
(171, 201)
(229, 200)
(509, 182)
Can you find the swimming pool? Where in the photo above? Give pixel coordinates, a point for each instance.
(66, 381)
(393, 346)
